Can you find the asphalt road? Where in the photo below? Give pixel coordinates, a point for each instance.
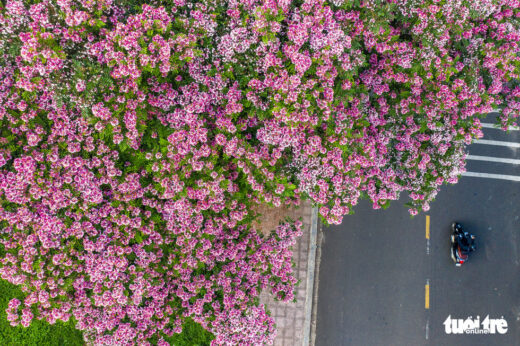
(376, 265)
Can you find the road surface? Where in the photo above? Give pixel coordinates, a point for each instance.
(382, 282)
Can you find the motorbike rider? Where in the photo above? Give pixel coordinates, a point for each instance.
(462, 244)
(466, 241)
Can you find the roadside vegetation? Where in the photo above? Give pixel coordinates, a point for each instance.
(137, 138)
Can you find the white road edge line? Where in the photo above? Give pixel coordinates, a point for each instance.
(500, 143)
(492, 126)
(427, 328)
(492, 176)
(493, 159)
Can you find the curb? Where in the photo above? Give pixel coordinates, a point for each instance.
(311, 266)
(314, 316)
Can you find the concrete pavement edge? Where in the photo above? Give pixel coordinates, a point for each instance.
(319, 241)
(311, 267)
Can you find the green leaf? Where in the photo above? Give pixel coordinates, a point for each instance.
(123, 146)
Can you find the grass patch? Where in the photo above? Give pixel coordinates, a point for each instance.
(39, 332)
(192, 335)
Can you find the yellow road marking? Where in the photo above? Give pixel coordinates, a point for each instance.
(427, 226)
(427, 296)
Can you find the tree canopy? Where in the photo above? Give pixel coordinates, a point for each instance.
(136, 138)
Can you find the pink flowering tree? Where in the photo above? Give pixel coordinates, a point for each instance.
(137, 138)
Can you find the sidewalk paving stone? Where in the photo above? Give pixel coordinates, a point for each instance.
(290, 317)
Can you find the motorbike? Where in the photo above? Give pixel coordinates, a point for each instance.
(462, 244)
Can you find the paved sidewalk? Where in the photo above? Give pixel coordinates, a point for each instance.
(291, 318)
